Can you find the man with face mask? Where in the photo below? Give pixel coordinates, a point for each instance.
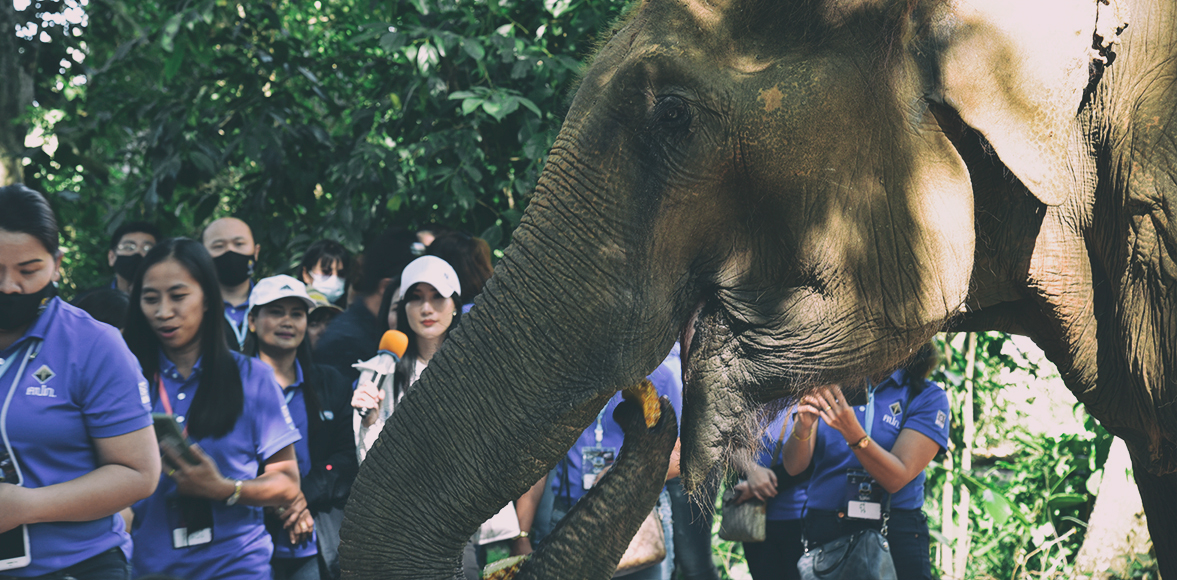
(130, 242)
(230, 243)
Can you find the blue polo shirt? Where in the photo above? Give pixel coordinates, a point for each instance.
(83, 385)
(297, 404)
(927, 413)
(240, 547)
(665, 382)
(788, 503)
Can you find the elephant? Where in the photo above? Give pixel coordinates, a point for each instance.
(802, 192)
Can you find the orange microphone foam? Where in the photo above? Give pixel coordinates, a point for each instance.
(394, 341)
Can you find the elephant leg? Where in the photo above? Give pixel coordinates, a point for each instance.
(1156, 493)
(588, 543)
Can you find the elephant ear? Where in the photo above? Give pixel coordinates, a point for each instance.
(1016, 71)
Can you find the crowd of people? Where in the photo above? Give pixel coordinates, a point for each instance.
(193, 420)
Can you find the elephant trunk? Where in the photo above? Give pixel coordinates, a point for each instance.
(511, 389)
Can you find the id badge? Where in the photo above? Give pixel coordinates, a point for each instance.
(864, 496)
(594, 460)
(191, 521)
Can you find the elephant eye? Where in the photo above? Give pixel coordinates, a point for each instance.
(670, 112)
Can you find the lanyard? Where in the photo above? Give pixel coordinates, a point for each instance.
(239, 332)
(30, 353)
(166, 401)
(599, 431)
(870, 406)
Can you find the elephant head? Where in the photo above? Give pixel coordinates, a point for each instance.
(802, 192)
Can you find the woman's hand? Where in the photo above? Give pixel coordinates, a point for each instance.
(367, 397)
(830, 404)
(296, 519)
(201, 479)
(761, 485)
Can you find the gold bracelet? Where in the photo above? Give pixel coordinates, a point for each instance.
(805, 439)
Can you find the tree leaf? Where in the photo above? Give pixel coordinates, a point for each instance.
(391, 41)
(473, 48)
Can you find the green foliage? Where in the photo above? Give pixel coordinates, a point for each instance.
(308, 119)
(1032, 493)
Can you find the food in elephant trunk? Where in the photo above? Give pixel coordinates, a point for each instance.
(608, 516)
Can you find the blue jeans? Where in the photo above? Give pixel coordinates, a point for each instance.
(692, 534)
(109, 565)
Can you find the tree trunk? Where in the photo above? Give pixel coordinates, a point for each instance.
(15, 97)
(960, 563)
(1117, 529)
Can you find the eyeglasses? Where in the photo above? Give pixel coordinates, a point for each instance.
(130, 247)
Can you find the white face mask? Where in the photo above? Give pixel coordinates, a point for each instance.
(330, 286)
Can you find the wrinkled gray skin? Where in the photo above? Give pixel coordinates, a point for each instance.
(803, 191)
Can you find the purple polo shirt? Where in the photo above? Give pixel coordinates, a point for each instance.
(665, 382)
(235, 315)
(83, 385)
(788, 502)
(296, 402)
(240, 547)
(927, 413)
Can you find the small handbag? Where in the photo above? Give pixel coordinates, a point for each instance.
(744, 522)
(863, 555)
(646, 549)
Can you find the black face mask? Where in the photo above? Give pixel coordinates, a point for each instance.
(17, 310)
(233, 268)
(126, 266)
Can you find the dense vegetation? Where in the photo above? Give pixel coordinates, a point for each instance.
(307, 119)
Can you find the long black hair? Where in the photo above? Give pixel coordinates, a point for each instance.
(26, 211)
(220, 397)
(408, 363)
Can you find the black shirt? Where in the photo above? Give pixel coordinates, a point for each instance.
(351, 337)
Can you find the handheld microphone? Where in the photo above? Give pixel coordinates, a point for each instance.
(381, 367)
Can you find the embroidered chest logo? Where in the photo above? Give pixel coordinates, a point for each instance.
(896, 408)
(42, 375)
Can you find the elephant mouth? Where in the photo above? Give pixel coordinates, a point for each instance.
(687, 333)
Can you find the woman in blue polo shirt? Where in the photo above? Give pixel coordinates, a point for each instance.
(862, 451)
(205, 518)
(75, 428)
(306, 535)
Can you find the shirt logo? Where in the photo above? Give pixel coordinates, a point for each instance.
(44, 373)
(940, 419)
(286, 287)
(41, 391)
(896, 408)
(144, 395)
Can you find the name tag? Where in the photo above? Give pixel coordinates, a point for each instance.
(864, 510)
(182, 538)
(593, 462)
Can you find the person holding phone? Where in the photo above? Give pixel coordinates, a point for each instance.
(319, 399)
(77, 445)
(205, 518)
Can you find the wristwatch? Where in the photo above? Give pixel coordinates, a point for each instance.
(523, 534)
(232, 499)
(862, 443)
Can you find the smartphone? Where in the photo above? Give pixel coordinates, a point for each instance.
(14, 544)
(167, 429)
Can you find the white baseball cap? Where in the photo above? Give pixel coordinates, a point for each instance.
(433, 271)
(268, 290)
